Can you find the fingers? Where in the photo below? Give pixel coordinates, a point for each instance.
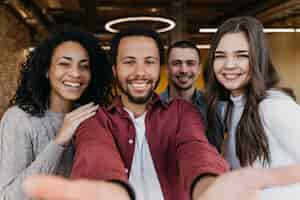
(260, 178)
(279, 176)
(84, 117)
(72, 120)
(85, 112)
(81, 109)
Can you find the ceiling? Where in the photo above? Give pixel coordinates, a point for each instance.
(189, 15)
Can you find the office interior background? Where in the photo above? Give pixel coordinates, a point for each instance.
(24, 23)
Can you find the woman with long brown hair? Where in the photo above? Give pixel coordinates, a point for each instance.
(262, 119)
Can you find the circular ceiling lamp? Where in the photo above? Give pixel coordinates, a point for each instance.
(170, 23)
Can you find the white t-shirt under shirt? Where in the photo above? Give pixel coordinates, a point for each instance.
(143, 176)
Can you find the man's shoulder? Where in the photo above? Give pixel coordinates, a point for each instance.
(178, 105)
(164, 96)
(100, 117)
(199, 96)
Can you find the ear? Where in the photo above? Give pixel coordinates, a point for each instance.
(47, 75)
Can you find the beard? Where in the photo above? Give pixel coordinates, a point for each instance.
(137, 100)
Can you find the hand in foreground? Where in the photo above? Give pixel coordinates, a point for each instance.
(57, 188)
(247, 183)
(72, 120)
(240, 184)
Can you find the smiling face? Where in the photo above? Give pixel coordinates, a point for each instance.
(183, 68)
(137, 68)
(69, 73)
(231, 62)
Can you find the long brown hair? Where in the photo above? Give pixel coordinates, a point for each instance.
(251, 139)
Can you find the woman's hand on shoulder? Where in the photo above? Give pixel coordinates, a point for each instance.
(72, 120)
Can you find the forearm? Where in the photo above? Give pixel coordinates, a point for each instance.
(45, 163)
(42, 187)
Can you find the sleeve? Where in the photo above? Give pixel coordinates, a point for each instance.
(17, 159)
(97, 156)
(195, 156)
(280, 118)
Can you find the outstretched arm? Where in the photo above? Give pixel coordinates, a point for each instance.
(240, 184)
(58, 188)
(247, 183)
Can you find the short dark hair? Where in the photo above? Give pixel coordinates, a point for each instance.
(136, 31)
(34, 88)
(183, 44)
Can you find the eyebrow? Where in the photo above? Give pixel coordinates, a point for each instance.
(132, 57)
(65, 57)
(238, 51)
(242, 51)
(70, 59)
(152, 57)
(128, 57)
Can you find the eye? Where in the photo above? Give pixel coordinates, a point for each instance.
(191, 63)
(176, 63)
(219, 56)
(129, 62)
(63, 63)
(243, 56)
(150, 61)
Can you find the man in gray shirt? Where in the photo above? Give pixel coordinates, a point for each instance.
(183, 68)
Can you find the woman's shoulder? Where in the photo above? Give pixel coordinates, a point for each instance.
(16, 113)
(278, 105)
(16, 122)
(276, 96)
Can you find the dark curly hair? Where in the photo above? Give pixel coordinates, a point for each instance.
(32, 94)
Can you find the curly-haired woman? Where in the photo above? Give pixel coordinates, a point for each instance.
(62, 83)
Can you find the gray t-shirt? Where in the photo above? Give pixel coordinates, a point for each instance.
(26, 148)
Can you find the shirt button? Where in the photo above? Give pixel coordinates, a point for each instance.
(130, 141)
(126, 170)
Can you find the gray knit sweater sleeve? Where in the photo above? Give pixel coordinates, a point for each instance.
(18, 153)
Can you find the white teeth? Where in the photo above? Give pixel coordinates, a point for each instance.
(183, 78)
(70, 84)
(139, 85)
(231, 76)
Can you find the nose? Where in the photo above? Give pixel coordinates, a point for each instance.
(75, 71)
(230, 62)
(183, 68)
(140, 69)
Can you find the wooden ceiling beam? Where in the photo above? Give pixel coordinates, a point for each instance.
(70, 5)
(280, 12)
(90, 13)
(251, 10)
(161, 6)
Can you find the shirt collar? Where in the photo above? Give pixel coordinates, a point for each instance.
(165, 96)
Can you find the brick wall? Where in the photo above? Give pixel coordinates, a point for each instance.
(14, 38)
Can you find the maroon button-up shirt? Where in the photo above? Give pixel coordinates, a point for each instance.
(179, 149)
